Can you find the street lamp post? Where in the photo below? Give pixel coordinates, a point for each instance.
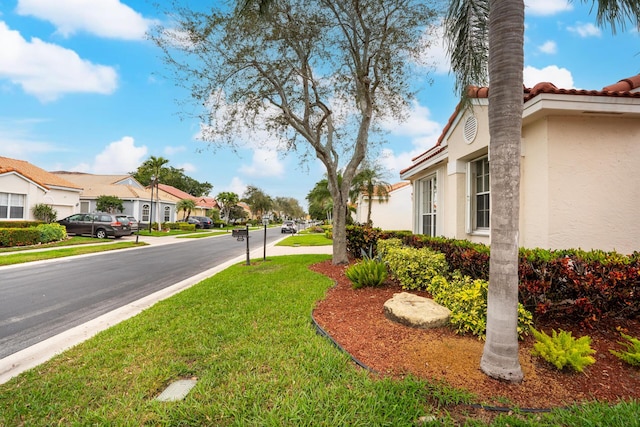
(153, 178)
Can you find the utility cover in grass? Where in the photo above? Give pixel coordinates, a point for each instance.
(177, 390)
(416, 311)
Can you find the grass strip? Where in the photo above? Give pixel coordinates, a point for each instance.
(19, 258)
(245, 335)
(71, 241)
(316, 239)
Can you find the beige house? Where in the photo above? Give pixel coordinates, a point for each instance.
(137, 200)
(23, 185)
(580, 171)
(391, 214)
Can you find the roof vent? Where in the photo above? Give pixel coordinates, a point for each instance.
(470, 129)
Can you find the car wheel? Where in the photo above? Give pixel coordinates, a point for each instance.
(101, 233)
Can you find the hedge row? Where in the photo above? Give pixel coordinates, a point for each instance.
(554, 284)
(43, 233)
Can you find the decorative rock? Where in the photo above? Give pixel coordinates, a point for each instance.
(416, 311)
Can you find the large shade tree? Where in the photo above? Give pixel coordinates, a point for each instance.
(494, 29)
(320, 72)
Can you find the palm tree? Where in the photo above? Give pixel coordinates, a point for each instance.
(369, 181)
(186, 205)
(468, 24)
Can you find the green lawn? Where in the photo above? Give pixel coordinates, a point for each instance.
(245, 335)
(310, 239)
(21, 257)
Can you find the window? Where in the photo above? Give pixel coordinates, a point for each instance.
(428, 197)
(479, 194)
(84, 207)
(145, 213)
(12, 206)
(167, 214)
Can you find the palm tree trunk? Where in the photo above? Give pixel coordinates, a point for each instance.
(506, 61)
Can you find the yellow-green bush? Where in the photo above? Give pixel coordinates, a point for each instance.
(561, 349)
(467, 300)
(414, 268)
(51, 232)
(631, 354)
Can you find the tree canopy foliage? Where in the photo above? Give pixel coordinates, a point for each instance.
(109, 204)
(314, 76)
(175, 177)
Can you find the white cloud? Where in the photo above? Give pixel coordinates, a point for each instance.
(18, 141)
(264, 163)
(547, 7)
(47, 71)
(437, 54)
(560, 77)
(173, 150)
(188, 167)
(585, 30)
(235, 186)
(104, 18)
(119, 157)
(421, 132)
(549, 47)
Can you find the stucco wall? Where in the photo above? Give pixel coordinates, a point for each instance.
(594, 175)
(392, 215)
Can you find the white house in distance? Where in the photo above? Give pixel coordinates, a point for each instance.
(393, 214)
(136, 199)
(23, 185)
(580, 171)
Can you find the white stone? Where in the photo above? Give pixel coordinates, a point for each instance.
(416, 311)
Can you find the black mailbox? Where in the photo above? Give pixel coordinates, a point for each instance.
(239, 233)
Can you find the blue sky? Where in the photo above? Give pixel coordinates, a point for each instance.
(80, 90)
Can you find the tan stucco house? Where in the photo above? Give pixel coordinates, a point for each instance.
(23, 185)
(580, 171)
(391, 214)
(204, 205)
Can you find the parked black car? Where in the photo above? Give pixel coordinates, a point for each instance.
(100, 225)
(205, 222)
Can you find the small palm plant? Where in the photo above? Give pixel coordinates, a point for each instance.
(368, 272)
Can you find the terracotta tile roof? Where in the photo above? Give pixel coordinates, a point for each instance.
(34, 173)
(202, 202)
(88, 179)
(629, 87)
(390, 188)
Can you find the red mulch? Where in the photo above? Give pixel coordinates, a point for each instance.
(355, 320)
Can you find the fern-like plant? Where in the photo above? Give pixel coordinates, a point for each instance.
(368, 272)
(561, 349)
(631, 354)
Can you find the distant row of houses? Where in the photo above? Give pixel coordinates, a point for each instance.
(580, 177)
(23, 185)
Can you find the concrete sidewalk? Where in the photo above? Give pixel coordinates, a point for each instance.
(33, 356)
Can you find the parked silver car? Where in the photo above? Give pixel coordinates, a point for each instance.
(100, 225)
(288, 227)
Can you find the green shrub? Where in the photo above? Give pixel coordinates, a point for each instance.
(632, 353)
(562, 349)
(414, 268)
(184, 226)
(383, 246)
(367, 273)
(51, 232)
(19, 236)
(44, 212)
(466, 298)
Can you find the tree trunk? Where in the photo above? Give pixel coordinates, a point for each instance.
(506, 61)
(340, 232)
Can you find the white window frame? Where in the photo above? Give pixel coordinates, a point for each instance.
(14, 206)
(427, 205)
(167, 214)
(473, 196)
(146, 212)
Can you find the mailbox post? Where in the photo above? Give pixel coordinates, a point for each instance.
(240, 235)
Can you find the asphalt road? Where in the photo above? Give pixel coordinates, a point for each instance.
(40, 300)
